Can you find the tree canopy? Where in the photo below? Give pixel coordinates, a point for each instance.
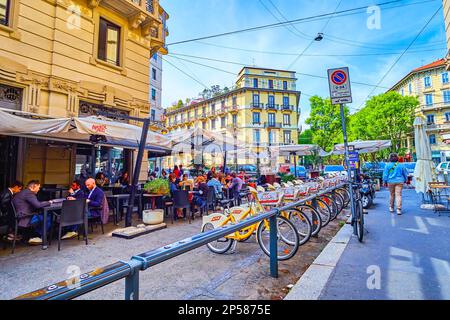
(325, 122)
(388, 116)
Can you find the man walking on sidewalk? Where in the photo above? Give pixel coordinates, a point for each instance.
(395, 175)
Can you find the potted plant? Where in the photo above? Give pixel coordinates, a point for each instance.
(158, 186)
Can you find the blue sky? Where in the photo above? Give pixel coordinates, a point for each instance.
(348, 35)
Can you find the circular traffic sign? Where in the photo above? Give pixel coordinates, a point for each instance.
(339, 77)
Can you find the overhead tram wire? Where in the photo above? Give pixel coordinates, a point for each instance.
(242, 64)
(314, 40)
(399, 58)
(185, 73)
(305, 36)
(317, 55)
(274, 25)
(174, 55)
(292, 25)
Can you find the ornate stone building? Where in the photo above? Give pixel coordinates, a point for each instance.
(65, 58)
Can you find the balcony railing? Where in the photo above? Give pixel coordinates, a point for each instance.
(271, 106)
(150, 6)
(257, 105)
(272, 125)
(287, 108)
(435, 106)
(234, 108)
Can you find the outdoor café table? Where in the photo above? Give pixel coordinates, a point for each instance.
(118, 197)
(153, 197)
(438, 188)
(56, 206)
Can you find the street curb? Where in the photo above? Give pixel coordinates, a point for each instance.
(315, 278)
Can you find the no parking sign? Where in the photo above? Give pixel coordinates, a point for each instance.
(340, 89)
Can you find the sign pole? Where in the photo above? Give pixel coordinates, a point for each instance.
(347, 163)
(341, 93)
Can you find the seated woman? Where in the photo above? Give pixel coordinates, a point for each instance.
(101, 180)
(186, 183)
(173, 187)
(200, 199)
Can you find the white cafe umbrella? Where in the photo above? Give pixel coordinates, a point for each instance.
(424, 172)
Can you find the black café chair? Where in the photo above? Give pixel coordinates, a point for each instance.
(181, 201)
(96, 220)
(16, 225)
(210, 199)
(73, 213)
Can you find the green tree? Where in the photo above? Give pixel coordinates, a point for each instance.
(388, 116)
(306, 137)
(325, 122)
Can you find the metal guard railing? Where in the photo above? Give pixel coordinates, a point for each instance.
(73, 288)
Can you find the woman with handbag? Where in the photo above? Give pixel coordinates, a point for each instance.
(395, 175)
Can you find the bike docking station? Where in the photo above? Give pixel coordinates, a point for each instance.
(129, 270)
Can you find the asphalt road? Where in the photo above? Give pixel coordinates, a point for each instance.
(402, 257)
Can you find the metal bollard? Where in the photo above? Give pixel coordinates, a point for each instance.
(273, 247)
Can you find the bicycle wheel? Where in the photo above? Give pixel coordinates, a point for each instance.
(332, 205)
(359, 220)
(287, 238)
(301, 223)
(324, 211)
(345, 195)
(339, 201)
(313, 216)
(219, 246)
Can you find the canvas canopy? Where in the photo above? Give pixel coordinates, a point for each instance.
(203, 140)
(299, 150)
(79, 130)
(424, 172)
(363, 146)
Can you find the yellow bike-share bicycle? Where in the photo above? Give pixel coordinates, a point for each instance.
(287, 234)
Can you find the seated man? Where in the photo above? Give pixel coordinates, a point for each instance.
(75, 193)
(94, 199)
(214, 182)
(6, 213)
(27, 206)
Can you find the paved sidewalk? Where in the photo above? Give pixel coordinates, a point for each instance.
(411, 251)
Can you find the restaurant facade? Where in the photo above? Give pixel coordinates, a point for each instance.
(78, 58)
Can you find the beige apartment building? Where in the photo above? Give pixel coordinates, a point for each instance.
(262, 110)
(74, 58)
(430, 83)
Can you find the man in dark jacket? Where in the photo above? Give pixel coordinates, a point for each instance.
(6, 213)
(94, 199)
(27, 207)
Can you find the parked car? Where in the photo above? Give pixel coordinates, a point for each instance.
(334, 169)
(410, 166)
(374, 169)
(301, 170)
(247, 168)
(443, 167)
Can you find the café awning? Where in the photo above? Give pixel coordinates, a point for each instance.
(204, 140)
(80, 130)
(363, 146)
(299, 150)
